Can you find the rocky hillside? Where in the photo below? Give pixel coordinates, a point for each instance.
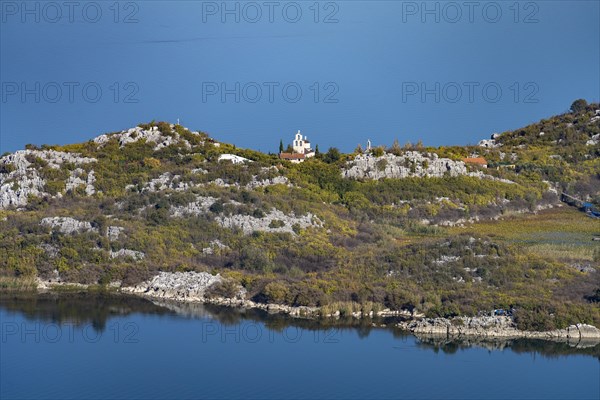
(367, 227)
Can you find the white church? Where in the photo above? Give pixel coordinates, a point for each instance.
(301, 150)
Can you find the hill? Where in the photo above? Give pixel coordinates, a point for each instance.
(402, 227)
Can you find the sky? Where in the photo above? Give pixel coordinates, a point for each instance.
(252, 73)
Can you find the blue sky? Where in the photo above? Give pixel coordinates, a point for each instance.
(382, 70)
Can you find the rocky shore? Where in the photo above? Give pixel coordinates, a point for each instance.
(193, 287)
(493, 327)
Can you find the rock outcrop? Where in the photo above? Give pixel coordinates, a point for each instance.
(152, 135)
(54, 159)
(67, 225)
(594, 140)
(491, 143)
(191, 287)
(410, 164)
(274, 221)
(50, 249)
(199, 207)
(493, 327)
(166, 181)
(20, 179)
(21, 187)
(135, 255)
(488, 143)
(214, 245)
(113, 232)
(278, 180)
(182, 286)
(78, 178)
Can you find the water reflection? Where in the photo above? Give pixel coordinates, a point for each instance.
(545, 348)
(77, 308)
(97, 308)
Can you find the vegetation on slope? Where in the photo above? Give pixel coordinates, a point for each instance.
(396, 243)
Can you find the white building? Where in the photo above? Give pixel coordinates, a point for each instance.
(233, 158)
(301, 145)
(301, 150)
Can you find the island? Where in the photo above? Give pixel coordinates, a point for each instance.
(497, 239)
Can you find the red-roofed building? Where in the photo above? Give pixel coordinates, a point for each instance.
(293, 157)
(301, 150)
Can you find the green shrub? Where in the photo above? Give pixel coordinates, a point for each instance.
(382, 164)
(217, 207)
(276, 223)
(6, 168)
(276, 292)
(226, 289)
(378, 151)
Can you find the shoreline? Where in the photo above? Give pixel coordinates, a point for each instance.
(481, 328)
(496, 327)
(477, 327)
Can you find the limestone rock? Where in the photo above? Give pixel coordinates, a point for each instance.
(493, 327)
(21, 179)
(249, 224)
(199, 207)
(78, 178)
(586, 331)
(67, 225)
(136, 255)
(152, 135)
(113, 232)
(16, 192)
(278, 180)
(488, 143)
(178, 285)
(50, 250)
(166, 181)
(583, 267)
(54, 159)
(410, 164)
(214, 245)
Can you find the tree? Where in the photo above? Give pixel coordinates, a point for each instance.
(396, 148)
(276, 292)
(280, 146)
(317, 152)
(579, 105)
(332, 155)
(378, 151)
(216, 207)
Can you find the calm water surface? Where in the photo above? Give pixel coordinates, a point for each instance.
(103, 347)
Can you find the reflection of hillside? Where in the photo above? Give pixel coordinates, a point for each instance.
(78, 307)
(542, 347)
(277, 322)
(97, 308)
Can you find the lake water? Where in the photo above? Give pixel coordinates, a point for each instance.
(104, 346)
